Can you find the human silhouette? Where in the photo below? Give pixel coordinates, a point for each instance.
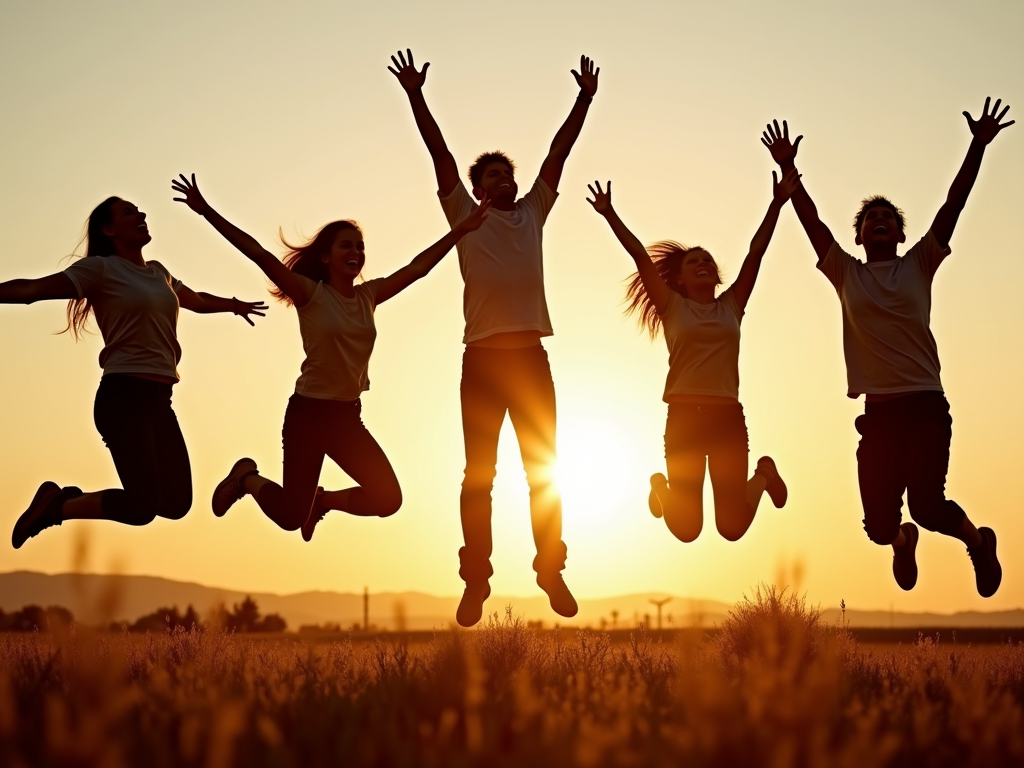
(505, 368)
(136, 306)
(892, 359)
(336, 320)
(673, 292)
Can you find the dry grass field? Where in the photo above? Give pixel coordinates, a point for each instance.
(774, 687)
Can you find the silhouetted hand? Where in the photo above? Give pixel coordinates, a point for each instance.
(587, 81)
(245, 308)
(474, 220)
(778, 143)
(987, 126)
(602, 201)
(783, 190)
(406, 73)
(193, 198)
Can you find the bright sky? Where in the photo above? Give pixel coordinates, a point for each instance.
(290, 119)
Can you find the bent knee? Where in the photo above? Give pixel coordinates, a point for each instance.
(390, 502)
(882, 533)
(684, 530)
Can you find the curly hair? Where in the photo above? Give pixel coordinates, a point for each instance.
(878, 201)
(476, 170)
(668, 257)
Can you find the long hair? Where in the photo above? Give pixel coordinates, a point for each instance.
(305, 259)
(668, 257)
(97, 243)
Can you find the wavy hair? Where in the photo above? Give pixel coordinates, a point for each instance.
(668, 257)
(97, 243)
(305, 259)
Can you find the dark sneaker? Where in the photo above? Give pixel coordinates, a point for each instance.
(561, 599)
(904, 560)
(471, 607)
(316, 514)
(43, 512)
(232, 488)
(659, 483)
(776, 486)
(987, 571)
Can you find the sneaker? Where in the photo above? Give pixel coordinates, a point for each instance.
(232, 488)
(561, 599)
(987, 571)
(904, 561)
(776, 486)
(658, 485)
(471, 607)
(316, 514)
(43, 512)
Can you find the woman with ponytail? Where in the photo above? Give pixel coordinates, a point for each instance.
(673, 291)
(136, 306)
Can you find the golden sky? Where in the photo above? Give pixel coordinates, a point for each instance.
(290, 119)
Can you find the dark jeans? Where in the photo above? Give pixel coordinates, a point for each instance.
(135, 419)
(712, 437)
(517, 381)
(904, 446)
(316, 428)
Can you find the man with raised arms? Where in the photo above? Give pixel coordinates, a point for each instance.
(505, 368)
(891, 358)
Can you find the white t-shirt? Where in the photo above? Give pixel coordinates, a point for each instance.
(338, 334)
(703, 346)
(137, 311)
(502, 264)
(887, 308)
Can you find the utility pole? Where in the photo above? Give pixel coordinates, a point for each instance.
(366, 609)
(660, 603)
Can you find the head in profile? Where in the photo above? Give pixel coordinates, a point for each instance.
(879, 224)
(493, 176)
(335, 251)
(686, 270)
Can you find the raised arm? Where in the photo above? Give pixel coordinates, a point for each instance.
(420, 266)
(781, 192)
(298, 288)
(51, 287)
(653, 284)
(784, 153)
(561, 145)
(445, 169)
(984, 129)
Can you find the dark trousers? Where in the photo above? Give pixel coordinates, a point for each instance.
(904, 446)
(711, 437)
(516, 381)
(316, 428)
(138, 425)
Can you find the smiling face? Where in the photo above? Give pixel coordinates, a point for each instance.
(498, 183)
(127, 227)
(880, 229)
(346, 256)
(698, 273)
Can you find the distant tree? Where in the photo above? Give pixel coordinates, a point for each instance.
(34, 618)
(166, 620)
(245, 617)
(271, 623)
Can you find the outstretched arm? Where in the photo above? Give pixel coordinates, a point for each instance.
(51, 287)
(984, 130)
(420, 266)
(298, 288)
(653, 284)
(445, 169)
(561, 145)
(208, 304)
(781, 192)
(784, 153)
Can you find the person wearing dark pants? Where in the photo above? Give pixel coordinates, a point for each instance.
(506, 317)
(892, 359)
(673, 291)
(336, 320)
(136, 304)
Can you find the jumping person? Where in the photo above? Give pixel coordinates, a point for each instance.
(338, 333)
(892, 359)
(136, 304)
(673, 291)
(505, 367)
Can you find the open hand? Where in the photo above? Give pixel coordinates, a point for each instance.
(587, 81)
(783, 152)
(783, 190)
(245, 308)
(987, 126)
(602, 201)
(476, 219)
(193, 198)
(406, 73)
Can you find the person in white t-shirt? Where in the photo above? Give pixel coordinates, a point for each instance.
(673, 290)
(136, 305)
(505, 368)
(892, 359)
(336, 321)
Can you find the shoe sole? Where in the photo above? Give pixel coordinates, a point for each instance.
(464, 621)
(779, 494)
(1000, 567)
(40, 501)
(222, 488)
(912, 540)
(568, 613)
(653, 502)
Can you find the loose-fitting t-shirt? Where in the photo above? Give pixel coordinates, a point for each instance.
(887, 307)
(502, 264)
(703, 346)
(137, 311)
(338, 334)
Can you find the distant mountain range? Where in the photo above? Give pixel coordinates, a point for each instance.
(97, 598)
